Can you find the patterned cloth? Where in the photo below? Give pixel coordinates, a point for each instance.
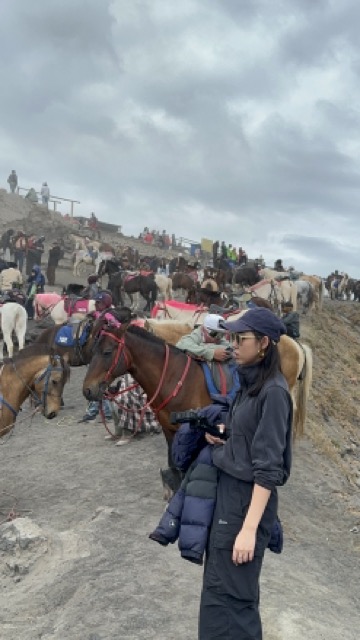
(128, 407)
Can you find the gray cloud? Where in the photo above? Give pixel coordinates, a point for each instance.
(229, 120)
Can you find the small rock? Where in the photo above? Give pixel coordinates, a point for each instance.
(355, 530)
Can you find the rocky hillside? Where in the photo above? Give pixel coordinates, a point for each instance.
(18, 213)
(334, 412)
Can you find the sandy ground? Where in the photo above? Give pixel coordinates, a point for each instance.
(78, 564)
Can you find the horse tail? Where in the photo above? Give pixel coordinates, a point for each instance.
(321, 294)
(303, 390)
(20, 326)
(293, 294)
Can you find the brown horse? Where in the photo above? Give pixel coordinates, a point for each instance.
(182, 280)
(295, 362)
(174, 382)
(171, 380)
(37, 372)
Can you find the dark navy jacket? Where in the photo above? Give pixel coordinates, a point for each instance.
(189, 514)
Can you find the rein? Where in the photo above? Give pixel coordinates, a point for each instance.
(122, 348)
(38, 401)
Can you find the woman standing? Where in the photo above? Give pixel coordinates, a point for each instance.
(253, 462)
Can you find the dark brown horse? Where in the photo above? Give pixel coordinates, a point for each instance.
(206, 297)
(182, 280)
(171, 380)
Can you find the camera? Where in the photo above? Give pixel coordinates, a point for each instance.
(197, 422)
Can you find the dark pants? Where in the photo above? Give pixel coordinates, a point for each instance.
(29, 306)
(19, 258)
(50, 274)
(229, 608)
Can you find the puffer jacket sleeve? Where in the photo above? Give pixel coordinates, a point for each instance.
(198, 508)
(168, 528)
(186, 446)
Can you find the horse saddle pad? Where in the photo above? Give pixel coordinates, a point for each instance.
(220, 377)
(77, 305)
(67, 336)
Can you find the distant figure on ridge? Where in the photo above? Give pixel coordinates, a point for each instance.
(45, 194)
(13, 181)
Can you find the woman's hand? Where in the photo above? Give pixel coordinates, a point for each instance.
(213, 439)
(244, 546)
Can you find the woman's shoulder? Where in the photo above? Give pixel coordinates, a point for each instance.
(277, 381)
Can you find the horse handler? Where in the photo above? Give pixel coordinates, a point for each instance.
(55, 255)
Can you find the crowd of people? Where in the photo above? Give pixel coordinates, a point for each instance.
(158, 239)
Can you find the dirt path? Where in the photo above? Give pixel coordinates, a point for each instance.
(80, 565)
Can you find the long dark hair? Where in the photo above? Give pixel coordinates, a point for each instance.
(269, 366)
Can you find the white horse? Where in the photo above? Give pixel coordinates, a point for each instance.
(82, 243)
(164, 284)
(53, 305)
(83, 257)
(13, 318)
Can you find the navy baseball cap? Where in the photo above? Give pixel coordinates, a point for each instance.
(260, 320)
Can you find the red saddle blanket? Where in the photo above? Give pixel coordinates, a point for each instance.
(130, 276)
(72, 306)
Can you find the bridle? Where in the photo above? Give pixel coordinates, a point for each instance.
(122, 351)
(44, 375)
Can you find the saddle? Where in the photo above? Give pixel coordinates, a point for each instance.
(223, 311)
(71, 335)
(19, 298)
(76, 304)
(221, 378)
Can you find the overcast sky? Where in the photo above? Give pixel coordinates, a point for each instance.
(235, 120)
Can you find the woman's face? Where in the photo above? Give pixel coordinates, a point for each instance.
(248, 348)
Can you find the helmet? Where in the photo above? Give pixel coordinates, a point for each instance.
(104, 299)
(93, 278)
(213, 322)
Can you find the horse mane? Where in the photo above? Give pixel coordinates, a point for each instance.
(37, 349)
(151, 337)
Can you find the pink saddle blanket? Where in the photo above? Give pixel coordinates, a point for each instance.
(72, 306)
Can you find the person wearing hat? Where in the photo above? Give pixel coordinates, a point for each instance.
(253, 462)
(55, 255)
(207, 342)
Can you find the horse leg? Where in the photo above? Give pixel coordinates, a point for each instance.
(147, 298)
(8, 341)
(170, 477)
(20, 330)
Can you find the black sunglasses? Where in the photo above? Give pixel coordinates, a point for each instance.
(238, 338)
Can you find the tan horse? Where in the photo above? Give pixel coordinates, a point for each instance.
(37, 372)
(318, 287)
(210, 284)
(295, 360)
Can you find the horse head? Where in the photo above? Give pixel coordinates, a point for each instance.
(48, 385)
(110, 360)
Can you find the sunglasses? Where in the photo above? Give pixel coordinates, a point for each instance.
(238, 338)
(214, 334)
